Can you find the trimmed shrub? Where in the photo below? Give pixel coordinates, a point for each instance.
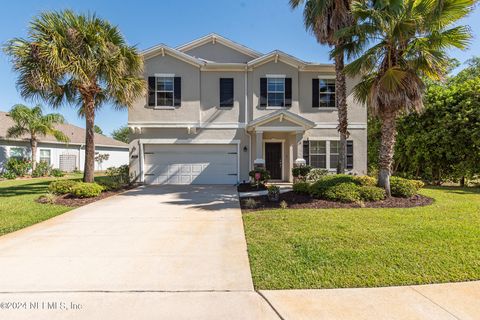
(19, 167)
(57, 173)
(319, 188)
(42, 169)
(120, 174)
(366, 181)
(259, 176)
(86, 190)
(283, 204)
(316, 174)
(9, 175)
(343, 192)
(403, 188)
(301, 172)
(61, 186)
(250, 203)
(371, 193)
(301, 187)
(418, 183)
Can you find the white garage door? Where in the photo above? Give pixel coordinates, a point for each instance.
(190, 164)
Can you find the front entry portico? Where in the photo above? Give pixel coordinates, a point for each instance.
(278, 142)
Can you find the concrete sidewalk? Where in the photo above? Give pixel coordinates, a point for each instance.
(451, 301)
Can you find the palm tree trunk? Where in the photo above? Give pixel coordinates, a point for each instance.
(88, 173)
(33, 146)
(387, 145)
(341, 101)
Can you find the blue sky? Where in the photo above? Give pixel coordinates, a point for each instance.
(263, 25)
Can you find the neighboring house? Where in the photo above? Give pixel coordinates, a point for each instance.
(216, 109)
(66, 156)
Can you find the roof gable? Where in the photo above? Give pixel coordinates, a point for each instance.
(163, 50)
(290, 119)
(215, 39)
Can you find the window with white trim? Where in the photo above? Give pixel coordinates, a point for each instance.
(327, 93)
(324, 154)
(45, 156)
(275, 92)
(318, 154)
(164, 91)
(334, 154)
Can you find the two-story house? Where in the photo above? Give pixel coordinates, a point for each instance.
(215, 109)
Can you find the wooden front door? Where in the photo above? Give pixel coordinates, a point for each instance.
(273, 159)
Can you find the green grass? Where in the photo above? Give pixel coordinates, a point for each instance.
(335, 248)
(18, 208)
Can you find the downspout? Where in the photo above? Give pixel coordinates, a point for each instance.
(246, 121)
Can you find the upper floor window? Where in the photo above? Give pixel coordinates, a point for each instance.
(327, 93)
(164, 91)
(275, 92)
(226, 92)
(45, 156)
(323, 93)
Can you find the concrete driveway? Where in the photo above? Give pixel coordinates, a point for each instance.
(181, 248)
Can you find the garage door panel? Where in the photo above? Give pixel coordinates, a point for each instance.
(190, 164)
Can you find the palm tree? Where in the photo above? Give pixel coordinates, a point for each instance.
(325, 18)
(79, 59)
(32, 122)
(396, 47)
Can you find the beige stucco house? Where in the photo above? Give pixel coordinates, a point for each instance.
(216, 108)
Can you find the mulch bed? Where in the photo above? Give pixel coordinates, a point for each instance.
(301, 201)
(71, 201)
(247, 187)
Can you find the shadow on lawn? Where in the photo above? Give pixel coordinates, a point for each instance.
(24, 189)
(456, 189)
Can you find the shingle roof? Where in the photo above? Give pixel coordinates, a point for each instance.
(76, 134)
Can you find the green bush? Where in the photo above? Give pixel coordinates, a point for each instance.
(9, 175)
(316, 174)
(19, 167)
(61, 186)
(57, 173)
(366, 181)
(318, 188)
(86, 190)
(48, 197)
(264, 176)
(371, 193)
(403, 188)
(109, 183)
(120, 175)
(301, 172)
(42, 169)
(301, 187)
(343, 192)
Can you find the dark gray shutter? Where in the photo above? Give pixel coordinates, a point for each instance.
(263, 92)
(177, 94)
(349, 154)
(226, 92)
(315, 93)
(151, 91)
(306, 151)
(288, 92)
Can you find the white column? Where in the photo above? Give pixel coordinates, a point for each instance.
(298, 149)
(259, 161)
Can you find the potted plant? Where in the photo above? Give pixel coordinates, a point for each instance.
(273, 193)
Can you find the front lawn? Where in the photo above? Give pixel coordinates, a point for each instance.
(367, 247)
(18, 208)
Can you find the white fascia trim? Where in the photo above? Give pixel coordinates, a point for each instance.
(219, 125)
(276, 75)
(64, 143)
(162, 49)
(333, 125)
(188, 141)
(327, 76)
(279, 129)
(164, 74)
